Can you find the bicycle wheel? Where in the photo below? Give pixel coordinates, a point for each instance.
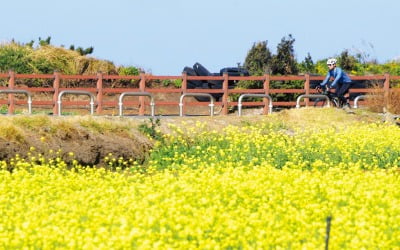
(335, 102)
(320, 102)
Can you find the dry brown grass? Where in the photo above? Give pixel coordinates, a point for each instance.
(376, 100)
(71, 62)
(394, 101)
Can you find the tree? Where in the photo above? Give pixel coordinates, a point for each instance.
(347, 61)
(44, 42)
(257, 63)
(284, 62)
(258, 59)
(307, 65)
(81, 51)
(84, 52)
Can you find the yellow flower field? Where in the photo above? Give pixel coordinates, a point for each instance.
(258, 186)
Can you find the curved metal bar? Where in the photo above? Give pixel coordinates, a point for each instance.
(254, 95)
(211, 105)
(357, 99)
(312, 96)
(121, 97)
(76, 92)
(20, 91)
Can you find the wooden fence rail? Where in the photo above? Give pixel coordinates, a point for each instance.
(107, 96)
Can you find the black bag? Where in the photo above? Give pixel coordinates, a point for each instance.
(196, 84)
(202, 71)
(233, 71)
(192, 84)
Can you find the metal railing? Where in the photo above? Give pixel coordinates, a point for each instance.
(311, 96)
(121, 97)
(270, 106)
(76, 92)
(211, 105)
(20, 91)
(357, 99)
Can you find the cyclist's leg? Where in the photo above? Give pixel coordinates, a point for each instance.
(341, 90)
(347, 95)
(344, 89)
(333, 96)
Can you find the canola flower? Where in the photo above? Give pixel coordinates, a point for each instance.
(252, 187)
(366, 146)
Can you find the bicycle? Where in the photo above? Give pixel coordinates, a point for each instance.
(332, 97)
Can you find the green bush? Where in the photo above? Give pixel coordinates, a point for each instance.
(177, 83)
(151, 129)
(15, 57)
(128, 71)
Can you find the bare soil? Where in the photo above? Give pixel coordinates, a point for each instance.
(89, 139)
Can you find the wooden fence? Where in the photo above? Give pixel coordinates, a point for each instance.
(100, 85)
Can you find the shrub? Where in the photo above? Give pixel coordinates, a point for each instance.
(128, 71)
(15, 57)
(46, 59)
(151, 129)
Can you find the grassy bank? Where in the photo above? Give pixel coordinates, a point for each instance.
(251, 182)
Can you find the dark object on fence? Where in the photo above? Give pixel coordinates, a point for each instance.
(200, 70)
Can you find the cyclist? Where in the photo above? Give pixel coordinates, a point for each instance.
(341, 81)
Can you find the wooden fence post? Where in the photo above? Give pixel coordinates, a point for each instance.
(307, 88)
(56, 87)
(184, 88)
(386, 91)
(266, 91)
(225, 95)
(142, 88)
(99, 97)
(184, 82)
(11, 85)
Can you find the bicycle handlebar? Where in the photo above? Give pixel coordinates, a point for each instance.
(322, 89)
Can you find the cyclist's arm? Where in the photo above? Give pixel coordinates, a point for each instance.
(325, 81)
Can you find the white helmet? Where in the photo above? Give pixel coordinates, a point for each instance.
(331, 61)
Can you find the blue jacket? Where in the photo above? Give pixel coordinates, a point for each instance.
(339, 76)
